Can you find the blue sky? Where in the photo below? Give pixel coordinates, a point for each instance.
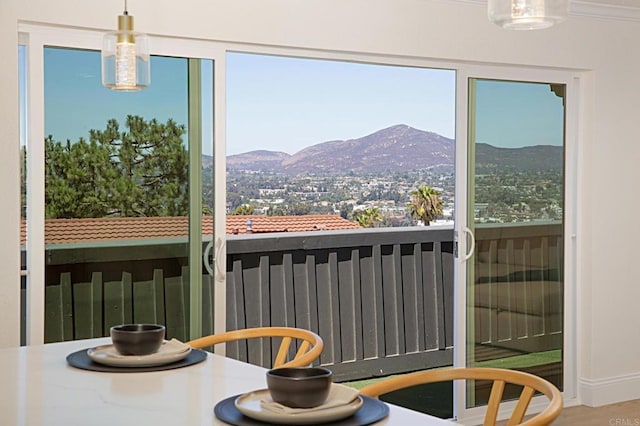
(285, 104)
(76, 101)
(511, 114)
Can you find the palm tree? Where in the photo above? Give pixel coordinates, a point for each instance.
(368, 217)
(425, 204)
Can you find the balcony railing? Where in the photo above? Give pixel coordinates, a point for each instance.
(382, 299)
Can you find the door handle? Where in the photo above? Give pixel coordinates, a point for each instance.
(472, 246)
(220, 245)
(205, 258)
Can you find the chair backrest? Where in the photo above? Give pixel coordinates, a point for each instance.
(500, 378)
(308, 351)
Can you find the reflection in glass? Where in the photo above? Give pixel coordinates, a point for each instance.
(515, 286)
(116, 199)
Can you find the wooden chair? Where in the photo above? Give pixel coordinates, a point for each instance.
(308, 351)
(498, 376)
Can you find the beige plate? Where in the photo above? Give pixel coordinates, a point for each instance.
(167, 354)
(249, 405)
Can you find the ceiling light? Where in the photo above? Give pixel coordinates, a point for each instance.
(527, 14)
(125, 57)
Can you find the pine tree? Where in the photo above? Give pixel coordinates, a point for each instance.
(141, 171)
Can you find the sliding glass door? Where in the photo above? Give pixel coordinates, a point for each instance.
(514, 224)
(514, 207)
(120, 192)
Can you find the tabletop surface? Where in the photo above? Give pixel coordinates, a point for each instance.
(38, 387)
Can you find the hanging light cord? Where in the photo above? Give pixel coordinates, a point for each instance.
(125, 7)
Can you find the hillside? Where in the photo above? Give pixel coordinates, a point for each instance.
(394, 149)
(257, 160)
(530, 158)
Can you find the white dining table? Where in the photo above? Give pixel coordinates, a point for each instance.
(39, 387)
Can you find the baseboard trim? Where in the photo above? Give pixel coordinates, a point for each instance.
(595, 393)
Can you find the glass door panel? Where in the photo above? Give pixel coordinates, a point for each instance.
(117, 203)
(281, 168)
(22, 90)
(516, 184)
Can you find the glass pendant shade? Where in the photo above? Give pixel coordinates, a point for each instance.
(125, 58)
(527, 14)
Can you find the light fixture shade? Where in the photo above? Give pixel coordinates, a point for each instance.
(527, 14)
(125, 58)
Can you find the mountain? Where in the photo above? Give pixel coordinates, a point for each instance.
(396, 148)
(257, 160)
(529, 158)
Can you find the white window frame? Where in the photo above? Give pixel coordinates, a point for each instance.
(573, 108)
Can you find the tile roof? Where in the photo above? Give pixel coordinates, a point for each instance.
(312, 222)
(65, 231)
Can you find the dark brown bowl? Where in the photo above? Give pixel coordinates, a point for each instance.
(137, 339)
(299, 387)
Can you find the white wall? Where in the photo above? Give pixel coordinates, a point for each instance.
(609, 294)
(9, 177)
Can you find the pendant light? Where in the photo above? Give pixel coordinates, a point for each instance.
(527, 14)
(125, 57)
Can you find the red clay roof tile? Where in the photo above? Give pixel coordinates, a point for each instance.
(314, 222)
(65, 231)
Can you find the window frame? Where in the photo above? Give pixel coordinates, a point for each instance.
(38, 36)
(573, 116)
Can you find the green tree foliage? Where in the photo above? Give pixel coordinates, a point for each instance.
(277, 211)
(345, 210)
(298, 209)
(140, 171)
(244, 209)
(368, 217)
(425, 204)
